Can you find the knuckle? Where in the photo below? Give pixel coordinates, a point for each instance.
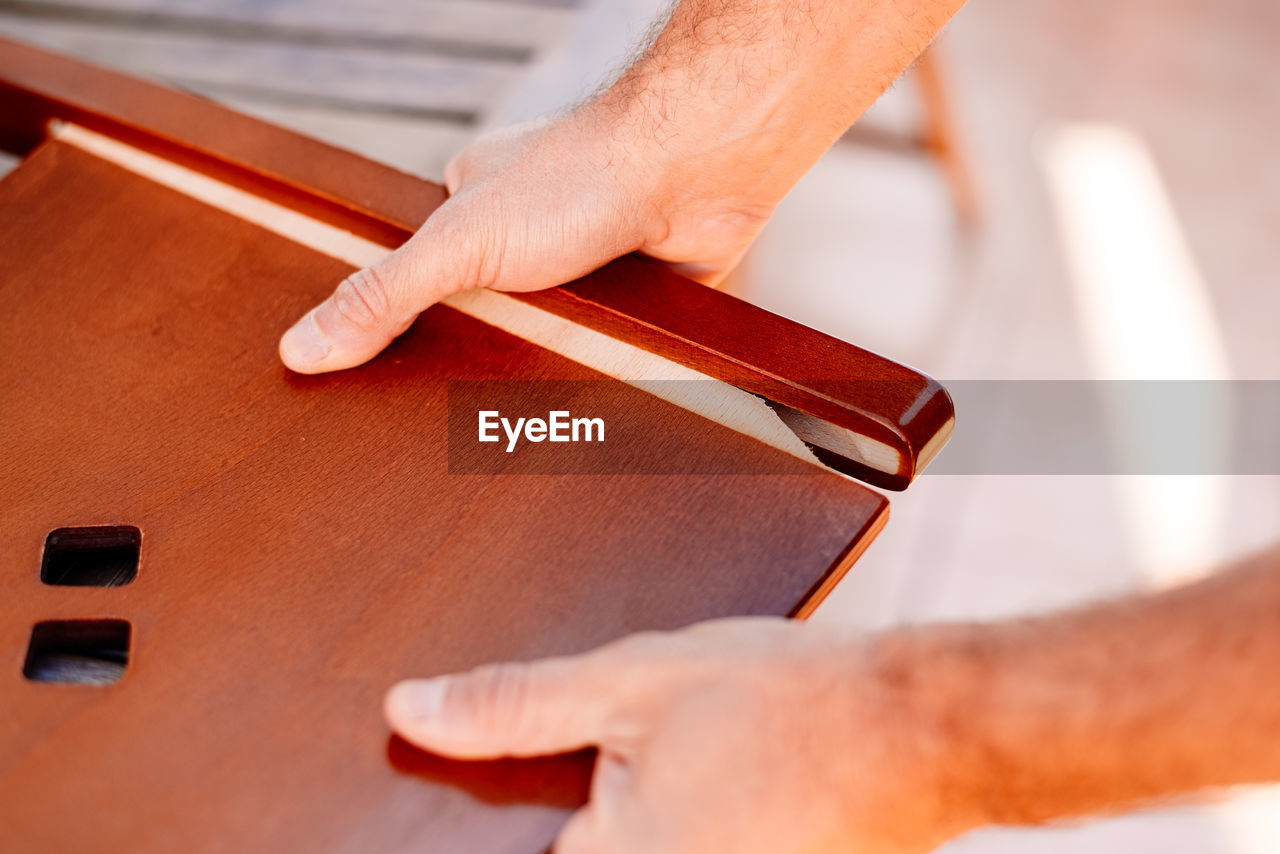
(644, 645)
(363, 299)
(476, 235)
(499, 696)
(455, 172)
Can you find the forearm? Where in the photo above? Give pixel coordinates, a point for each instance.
(1108, 707)
(749, 93)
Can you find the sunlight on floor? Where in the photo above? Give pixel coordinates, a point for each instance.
(1145, 314)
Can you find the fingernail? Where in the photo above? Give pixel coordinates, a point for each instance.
(304, 343)
(420, 699)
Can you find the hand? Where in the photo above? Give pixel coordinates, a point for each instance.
(684, 158)
(745, 735)
(530, 208)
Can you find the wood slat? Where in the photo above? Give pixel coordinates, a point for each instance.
(412, 24)
(356, 80)
(417, 146)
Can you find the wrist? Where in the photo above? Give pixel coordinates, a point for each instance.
(744, 149)
(934, 680)
(698, 195)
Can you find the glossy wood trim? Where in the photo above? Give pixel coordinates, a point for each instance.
(866, 399)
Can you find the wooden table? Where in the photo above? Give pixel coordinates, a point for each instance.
(211, 569)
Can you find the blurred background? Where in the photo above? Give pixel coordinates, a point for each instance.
(1062, 189)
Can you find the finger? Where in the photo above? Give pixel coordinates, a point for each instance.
(609, 780)
(597, 828)
(358, 320)
(518, 709)
(580, 834)
(371, 307)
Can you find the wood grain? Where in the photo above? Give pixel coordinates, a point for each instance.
(417, 26)
(304, 544)
(419, 85)
(817, 379)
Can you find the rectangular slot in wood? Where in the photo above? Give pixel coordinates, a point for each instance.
(100, 556)
(78, 652)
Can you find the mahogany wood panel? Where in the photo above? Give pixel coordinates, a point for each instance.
(631, 299)
(304, 544)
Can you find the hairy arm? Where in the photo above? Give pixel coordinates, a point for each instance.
(737, 99)
(684, 157)
(1119, 704)
(773, 736)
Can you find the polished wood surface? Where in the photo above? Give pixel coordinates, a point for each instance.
(305, 541)
(828, 387)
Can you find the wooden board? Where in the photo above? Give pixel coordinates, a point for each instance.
(304, 542)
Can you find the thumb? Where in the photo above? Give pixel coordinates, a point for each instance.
(360, 318)
(371, 307)
(519, 709)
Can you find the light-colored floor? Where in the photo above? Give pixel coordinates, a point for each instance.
(866, 248)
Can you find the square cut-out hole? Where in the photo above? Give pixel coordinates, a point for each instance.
(104, 556)
(80, 652)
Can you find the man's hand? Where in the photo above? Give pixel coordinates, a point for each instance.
(749, 735)
(760, 735)
(530, 208)
(683, 158)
